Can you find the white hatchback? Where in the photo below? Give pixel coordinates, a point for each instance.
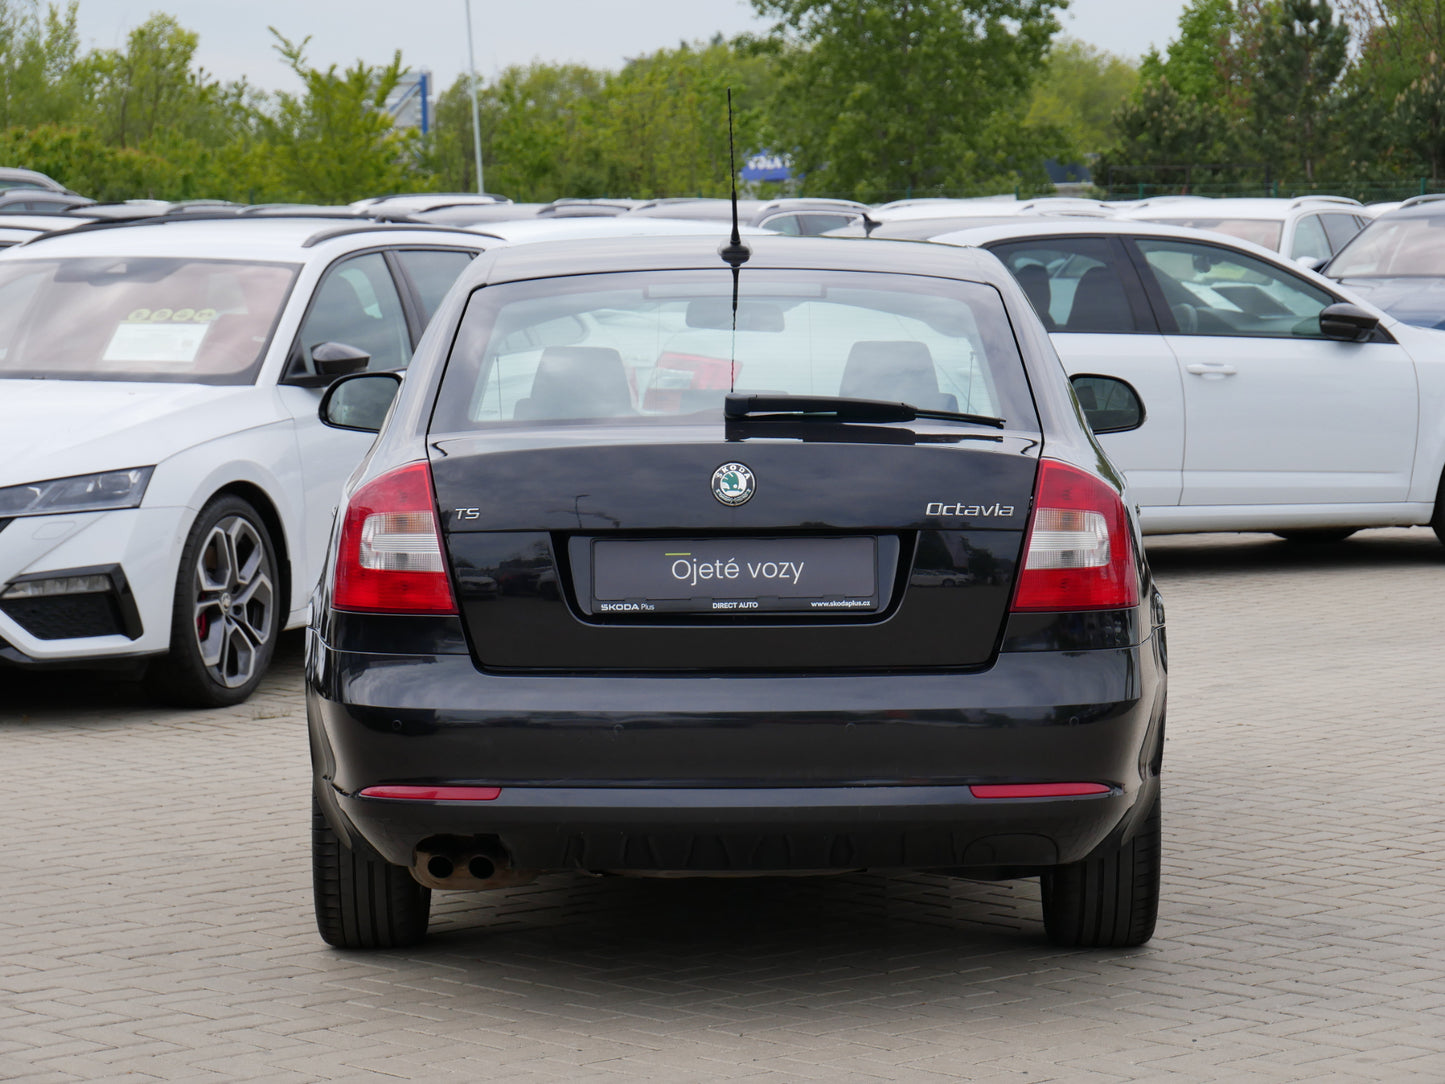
(166, 489)
(1309, 229)
(1275, 399)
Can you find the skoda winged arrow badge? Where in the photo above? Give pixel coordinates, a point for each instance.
(732, 483)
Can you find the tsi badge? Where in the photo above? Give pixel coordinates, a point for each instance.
(732, 483)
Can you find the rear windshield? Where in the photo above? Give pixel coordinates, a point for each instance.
(155, 319)
(1258, 230)
(663, 345)
(1387, 248)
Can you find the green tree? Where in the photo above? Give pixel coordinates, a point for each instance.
(1395, 89)
(81, 160)
(335, 142)
(1211, 59)
(41, 78)
(534, 132)
(660, 125)
(882, 98)
(1302, 54)
(1192, 114)
(1079, 91)
(1164, 137)
(148, 86)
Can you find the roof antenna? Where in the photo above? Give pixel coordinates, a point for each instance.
(735, 253)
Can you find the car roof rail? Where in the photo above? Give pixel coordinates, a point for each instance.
(386, 225)
(349, 221)
(1305, 201)
(1428, 197)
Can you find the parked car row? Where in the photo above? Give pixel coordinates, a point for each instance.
(644, 563)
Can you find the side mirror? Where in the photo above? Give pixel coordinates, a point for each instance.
(1348, 323)
(1110, 405)
(338, 359)
(1309, 263)
(359, 401)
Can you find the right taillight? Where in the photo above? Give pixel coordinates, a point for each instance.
(390, 556)
(1079, 553)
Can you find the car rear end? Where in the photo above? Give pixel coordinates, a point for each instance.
(580, 619)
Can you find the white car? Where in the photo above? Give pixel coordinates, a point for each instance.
(1275, 400)
(1310, 229)
(166, 488)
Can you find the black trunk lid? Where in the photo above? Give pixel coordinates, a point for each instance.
(591, 548)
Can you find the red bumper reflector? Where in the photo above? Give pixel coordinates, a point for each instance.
(435, 794)
(1036, 790)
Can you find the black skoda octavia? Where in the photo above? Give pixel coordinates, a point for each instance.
(801, 562)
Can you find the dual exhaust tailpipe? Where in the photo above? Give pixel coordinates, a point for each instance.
(478, 863)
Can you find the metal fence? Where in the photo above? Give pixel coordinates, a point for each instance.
(1364, 191)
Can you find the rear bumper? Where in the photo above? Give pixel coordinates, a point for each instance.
(755, 829)
(742, 773)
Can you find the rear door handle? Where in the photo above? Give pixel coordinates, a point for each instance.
(1210, 368)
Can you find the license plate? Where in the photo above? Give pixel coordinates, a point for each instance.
(735, 576)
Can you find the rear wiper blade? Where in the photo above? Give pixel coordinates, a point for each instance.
(839, 408)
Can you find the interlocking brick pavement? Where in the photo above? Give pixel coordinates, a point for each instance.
(155, 917)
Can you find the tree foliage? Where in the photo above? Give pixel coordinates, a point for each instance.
(335, 143)
(874, 99)
(1302, 54)
(1165, 137)
(1079, 91)
(657, 127)
(882, 98)
(1292, 91)
(41, 78)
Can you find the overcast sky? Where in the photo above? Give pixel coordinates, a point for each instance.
(431, 34)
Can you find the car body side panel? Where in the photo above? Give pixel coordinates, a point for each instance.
(1187, 519)
(1296, 421)
(1152, 456)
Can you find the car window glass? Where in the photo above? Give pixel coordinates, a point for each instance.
(1339, 229)
(1310, 240)
(663, 344)
(1075, 284)
(1401, 246)
(432, 272)
(357, 304)
(1216, 291)
(813, 225)
(1262, 231)
(786, 224)
(160, 319)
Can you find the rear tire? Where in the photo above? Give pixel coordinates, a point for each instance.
(226, 611)
(1108, 900)
(362, 901)
(1316, 536)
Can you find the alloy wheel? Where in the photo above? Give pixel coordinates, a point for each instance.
(234, 596)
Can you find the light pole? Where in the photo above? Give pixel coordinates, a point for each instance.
(476, 121)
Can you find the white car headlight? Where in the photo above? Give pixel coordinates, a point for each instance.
(82, 493)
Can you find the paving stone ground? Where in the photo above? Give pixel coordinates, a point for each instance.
(155, 915)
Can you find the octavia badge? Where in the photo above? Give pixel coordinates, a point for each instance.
(732, 483)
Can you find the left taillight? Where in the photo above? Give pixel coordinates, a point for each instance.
(390, 558)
